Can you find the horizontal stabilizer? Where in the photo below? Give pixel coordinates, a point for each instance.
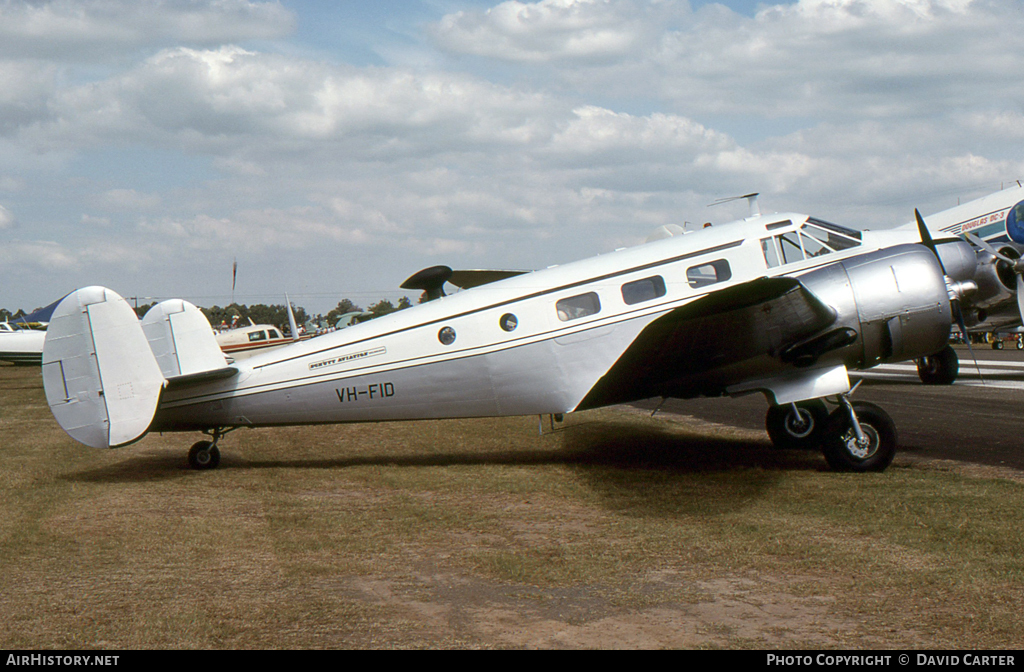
(181, 339)
(102, 382)
(188, 380)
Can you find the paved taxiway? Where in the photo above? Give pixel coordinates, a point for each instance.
(970, 421)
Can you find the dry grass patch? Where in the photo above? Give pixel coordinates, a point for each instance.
(615, 530)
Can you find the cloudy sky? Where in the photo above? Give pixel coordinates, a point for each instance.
(334, 148)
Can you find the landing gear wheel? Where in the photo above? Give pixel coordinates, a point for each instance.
(204, 455)
(800, 430)
(997, 344)
(940, 368)
(1020, 343)
(844, 452)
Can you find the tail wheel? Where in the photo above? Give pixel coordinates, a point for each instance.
(797, 430)
(940, 368)
(844, 452)
(204, 455)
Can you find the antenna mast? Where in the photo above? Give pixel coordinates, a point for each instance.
(755, 211)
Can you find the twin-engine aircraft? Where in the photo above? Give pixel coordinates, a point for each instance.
(781, 304)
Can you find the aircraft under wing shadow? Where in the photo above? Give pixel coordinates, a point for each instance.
(703, 347)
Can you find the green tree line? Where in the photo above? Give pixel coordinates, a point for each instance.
(276, 314)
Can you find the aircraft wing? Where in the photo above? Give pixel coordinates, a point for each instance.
(467, 278)
(705, 346)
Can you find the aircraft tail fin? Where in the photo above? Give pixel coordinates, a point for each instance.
(181, 339)
(292, 326)
(101, 378)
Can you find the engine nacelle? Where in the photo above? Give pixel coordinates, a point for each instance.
(893, 303)
(997, 287)
(958, 259)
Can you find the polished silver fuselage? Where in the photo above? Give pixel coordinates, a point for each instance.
(407, 365)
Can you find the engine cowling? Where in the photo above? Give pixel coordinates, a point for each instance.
(896, 300)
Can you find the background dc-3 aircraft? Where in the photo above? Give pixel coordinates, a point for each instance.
(781, 304)
(995, 300)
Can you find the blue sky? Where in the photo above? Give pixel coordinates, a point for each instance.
(334, 148)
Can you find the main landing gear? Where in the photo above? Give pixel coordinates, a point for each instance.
(856, 436)
(940, 368)
(205, 454)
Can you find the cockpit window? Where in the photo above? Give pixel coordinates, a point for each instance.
(849, 233)
(812, 240)
(789, 243)
(257, 336)
(833, 239)
(812, 246)
(771, 253)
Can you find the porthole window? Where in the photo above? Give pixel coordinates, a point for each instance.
(508, 322)
(446, 335)
(576, 307)
(639, 291)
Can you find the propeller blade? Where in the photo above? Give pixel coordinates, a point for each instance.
(958, 315)
(1020, 296)
(926, 238)
(985, 246)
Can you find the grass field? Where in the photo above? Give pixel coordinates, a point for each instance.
(616, 530)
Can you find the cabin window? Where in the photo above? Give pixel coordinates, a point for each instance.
(508, 322)
(576, 307)
(257, 336)
(639, 291)
(446, 335)
(708, 274)
(274, 334)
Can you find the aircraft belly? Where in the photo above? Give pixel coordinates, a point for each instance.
(547, 376)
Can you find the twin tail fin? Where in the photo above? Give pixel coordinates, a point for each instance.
(104, 370)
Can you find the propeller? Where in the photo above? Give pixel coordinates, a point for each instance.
(954, 299)
(1016, 265)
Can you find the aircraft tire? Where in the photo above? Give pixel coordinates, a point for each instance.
(204, 455)
(940, 368)
(840, 446)
(789, 432)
